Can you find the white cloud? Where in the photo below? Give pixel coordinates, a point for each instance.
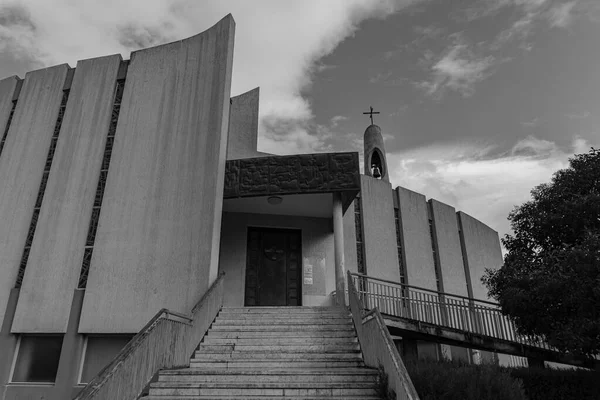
(560, 15)
(470, 177)
(582, 115)
(278, 44)
(459, 69)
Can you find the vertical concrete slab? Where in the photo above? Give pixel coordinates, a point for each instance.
(381, 250)
(8, 341)
(481, 250)
(420, 268)
(243, 126)
(22, 165)
(157, 244)
(56, 254)
(7, 91)
(350, 256)
(317, 251)
(448, 245)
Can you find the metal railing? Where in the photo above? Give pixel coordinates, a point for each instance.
(378, 348)
(442, 309)
(167, 341)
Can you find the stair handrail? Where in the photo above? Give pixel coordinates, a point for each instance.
(168, 340)
(404, 285)
(443, 309)
(378, 348)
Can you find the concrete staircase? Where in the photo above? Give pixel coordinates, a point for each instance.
(273, 353)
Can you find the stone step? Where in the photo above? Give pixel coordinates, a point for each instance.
(276, 341)
(268, 376)
(308, 347)
(249, 355)
(277, 363)
(291, 310)
(281, 334)
(282, 316)
(264, 389)
(283, 322)
(282, 328)
(259, 397)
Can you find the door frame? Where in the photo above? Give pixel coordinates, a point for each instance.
(300, 258)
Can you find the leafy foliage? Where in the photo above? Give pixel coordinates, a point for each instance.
(554, 384)
(451, 380)
(550, 281)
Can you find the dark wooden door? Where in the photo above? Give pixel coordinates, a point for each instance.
(273, 267)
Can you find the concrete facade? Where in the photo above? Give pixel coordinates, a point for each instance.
(481, 250)
(168, 221)
(161, 211)
(350, 250)
(379, 233)
(8, 86)
(452, 269)
(55, 258)
(317, 254)
(22, 165)
(243, 126)
(416, 246)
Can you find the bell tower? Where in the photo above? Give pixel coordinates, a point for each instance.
(375, 160)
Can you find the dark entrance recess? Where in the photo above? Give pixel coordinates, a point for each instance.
(273, 267)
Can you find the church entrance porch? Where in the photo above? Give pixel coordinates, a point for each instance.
(273, 267)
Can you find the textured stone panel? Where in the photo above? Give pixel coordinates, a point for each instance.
(157, 244)
(416, 244)
(481, 249)
(22, 165)
(57, 250)
(340, 165)
(232, 175)
(452, 267)
(243, 126)
(253, 176)
(306, 173)
(381, 250)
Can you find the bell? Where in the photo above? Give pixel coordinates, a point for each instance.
(376, 172)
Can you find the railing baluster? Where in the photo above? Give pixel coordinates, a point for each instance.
(441, 309)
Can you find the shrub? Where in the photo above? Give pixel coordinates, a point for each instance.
(558, 384)
(448, 380)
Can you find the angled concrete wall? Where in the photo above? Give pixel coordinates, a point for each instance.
(416, 245)
(7, 91)
(22, 165)
(243, 126)
(381, 250)
(317, 252)
(157, 243)
(481, 250)
(448, 248)
(56, 254)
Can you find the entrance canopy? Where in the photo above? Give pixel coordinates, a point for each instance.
(306, 181)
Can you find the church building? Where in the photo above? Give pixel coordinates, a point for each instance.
(128, 186)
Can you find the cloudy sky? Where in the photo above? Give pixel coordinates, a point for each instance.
(480, 100)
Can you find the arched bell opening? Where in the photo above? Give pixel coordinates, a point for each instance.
(377, 166)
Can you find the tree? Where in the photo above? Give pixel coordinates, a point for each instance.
(549, 284)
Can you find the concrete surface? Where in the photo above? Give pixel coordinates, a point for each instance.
(157, 242)
(56, 254)
(381, 250)
(22, 165)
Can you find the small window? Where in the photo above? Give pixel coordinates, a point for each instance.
(99, 352)
(37, 359)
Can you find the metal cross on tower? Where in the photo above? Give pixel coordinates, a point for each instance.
(371, 114)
